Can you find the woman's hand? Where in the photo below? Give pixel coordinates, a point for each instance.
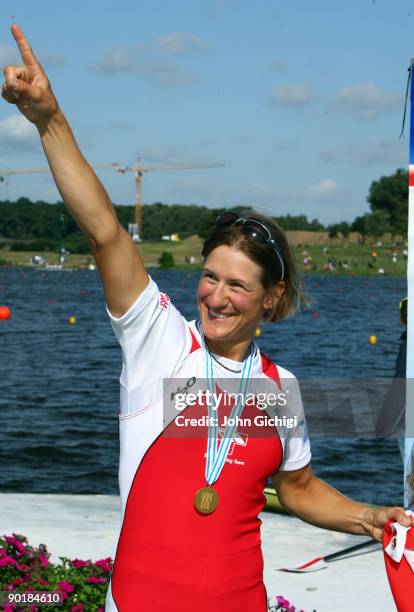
(27, 86)
(376, 518)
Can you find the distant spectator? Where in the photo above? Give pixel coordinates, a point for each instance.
(331, 263)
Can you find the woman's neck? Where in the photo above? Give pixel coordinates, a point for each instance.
(235, 351)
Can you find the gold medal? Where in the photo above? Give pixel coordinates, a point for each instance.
(206, 500)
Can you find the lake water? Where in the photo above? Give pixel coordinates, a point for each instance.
(59, 382)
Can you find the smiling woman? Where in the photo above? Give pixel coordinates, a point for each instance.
(249, 275)
(201, 549)
(242, 269)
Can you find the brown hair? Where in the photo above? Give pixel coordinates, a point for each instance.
(263, 255)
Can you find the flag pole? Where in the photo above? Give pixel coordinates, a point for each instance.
(409, 405)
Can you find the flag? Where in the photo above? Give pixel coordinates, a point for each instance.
(409, 406)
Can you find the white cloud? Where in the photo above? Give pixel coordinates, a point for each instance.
(298, 94)
(163, 73)
(16, 133)
(365, 100)
(179, 43)
(155, 60)
(324, 189)
(377, 152)
(119, 59)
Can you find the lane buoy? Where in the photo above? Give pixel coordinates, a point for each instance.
(258, 332)
(373, 339)
(5, 313)
(72, 320)
(315, 314)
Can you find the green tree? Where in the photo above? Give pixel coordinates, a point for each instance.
(339, 228)
(390, 195)
(359, 225)
(378, 223)
(166, 260)
(299, 222)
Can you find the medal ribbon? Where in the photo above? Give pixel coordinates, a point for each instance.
(217, 458)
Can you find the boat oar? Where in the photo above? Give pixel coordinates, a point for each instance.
(321, 562)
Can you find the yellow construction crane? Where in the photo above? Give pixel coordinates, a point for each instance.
(139, 170)
(135, 229)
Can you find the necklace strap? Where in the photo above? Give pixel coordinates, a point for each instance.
(216, 457)
(224, 366)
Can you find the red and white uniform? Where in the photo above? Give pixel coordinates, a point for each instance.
(169, 556)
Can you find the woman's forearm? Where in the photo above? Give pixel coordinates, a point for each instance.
(323, 506)
(80, 188)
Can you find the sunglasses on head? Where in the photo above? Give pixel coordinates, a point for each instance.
(253, 230)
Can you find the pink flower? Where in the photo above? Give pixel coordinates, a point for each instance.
(43, 561)
(104, 564)
(282, 602)
(66, 586)
(95, 580)
(45, 582)
(78, 563)
(9, 608)
(77, 608)
(13, 541)
(15, 582)
(8, 561)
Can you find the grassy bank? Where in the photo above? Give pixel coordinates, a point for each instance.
(358, 257)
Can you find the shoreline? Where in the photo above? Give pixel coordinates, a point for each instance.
(332, 258)
(87, 526)
(151, 266)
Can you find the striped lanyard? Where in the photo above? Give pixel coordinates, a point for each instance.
(216, 457)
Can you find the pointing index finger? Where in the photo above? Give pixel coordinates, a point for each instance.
(28, 57)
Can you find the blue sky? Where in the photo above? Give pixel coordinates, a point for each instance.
(302, 101)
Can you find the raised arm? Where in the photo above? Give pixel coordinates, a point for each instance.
(120, 265)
